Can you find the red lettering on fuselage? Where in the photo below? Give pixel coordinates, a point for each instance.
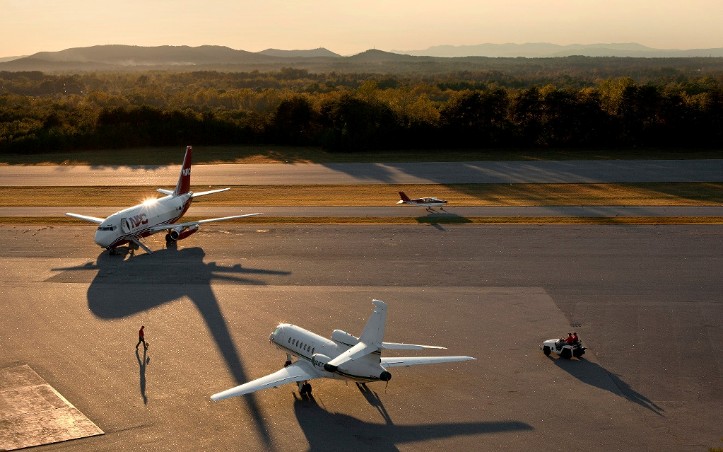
(136, 221)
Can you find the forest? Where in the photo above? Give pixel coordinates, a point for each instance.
(347, 112)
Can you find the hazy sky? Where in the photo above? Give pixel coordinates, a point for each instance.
(348, 27)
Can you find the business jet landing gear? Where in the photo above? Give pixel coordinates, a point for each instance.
(304, 388)
(288, 360)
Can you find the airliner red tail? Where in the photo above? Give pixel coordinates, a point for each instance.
(184, 179)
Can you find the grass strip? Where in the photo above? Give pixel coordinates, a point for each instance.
(633, 194)
(268, 220)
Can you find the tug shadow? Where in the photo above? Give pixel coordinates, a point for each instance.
(334, 431)
(595, 375)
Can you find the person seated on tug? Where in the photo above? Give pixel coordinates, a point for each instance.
(569, 340)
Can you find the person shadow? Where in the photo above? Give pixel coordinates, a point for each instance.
(595, 375)
(122, 287)
(335, 431)
(142, 363)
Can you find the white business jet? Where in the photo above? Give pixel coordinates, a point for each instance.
(428, 202)
(154, 215)
(343, 357)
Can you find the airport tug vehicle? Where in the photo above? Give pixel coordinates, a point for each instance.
(563, 348)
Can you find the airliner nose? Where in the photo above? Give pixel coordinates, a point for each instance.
(105, 234)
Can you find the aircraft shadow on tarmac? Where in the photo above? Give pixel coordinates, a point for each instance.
(437, 219)
(122, 288)
(595, 375)
(334, 431)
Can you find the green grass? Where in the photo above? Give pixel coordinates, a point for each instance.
(649, 194)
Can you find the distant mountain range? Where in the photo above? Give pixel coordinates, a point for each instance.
(545, 50)
(433, 60)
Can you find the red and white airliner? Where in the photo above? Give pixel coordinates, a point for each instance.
(427, 202)
(130, 225)
(344, 357)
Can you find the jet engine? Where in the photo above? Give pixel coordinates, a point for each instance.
(319, 360)
(343, 337)
(181, 233)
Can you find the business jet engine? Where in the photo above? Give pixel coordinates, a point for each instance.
(181, 233)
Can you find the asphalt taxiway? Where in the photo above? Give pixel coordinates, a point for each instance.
(503, 172)
(645, 299)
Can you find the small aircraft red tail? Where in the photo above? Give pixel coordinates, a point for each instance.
(403, 196)
(184, 179)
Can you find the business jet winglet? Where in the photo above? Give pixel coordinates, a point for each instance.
(130, 225)
(343, 357)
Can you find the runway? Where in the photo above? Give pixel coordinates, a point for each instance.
(571, 171)
(645, 299)
(399, 211)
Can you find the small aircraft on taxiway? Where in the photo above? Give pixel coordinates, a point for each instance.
(343, 357)
(427, 202)
(154, 215)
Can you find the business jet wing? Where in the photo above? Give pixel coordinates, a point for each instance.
(419, 360)
(194, 195)
(86, 218)
(400, 346)
(298, 371)
(165, 227)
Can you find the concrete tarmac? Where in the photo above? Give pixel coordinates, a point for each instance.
(505, 172)
(645, 300)
(398, 211)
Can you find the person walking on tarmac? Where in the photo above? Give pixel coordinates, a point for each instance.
(142, 339)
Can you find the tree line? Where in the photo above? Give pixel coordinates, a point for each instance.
(352, 112)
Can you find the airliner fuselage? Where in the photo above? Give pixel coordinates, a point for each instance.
(138, 221)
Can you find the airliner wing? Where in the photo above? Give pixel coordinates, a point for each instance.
(165, 227)
(210, 220)
(210, 192)
(299, 371)
(194, 195)
(86, 218)
(419, 360)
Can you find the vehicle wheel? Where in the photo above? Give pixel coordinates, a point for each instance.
(566, 353)
(577, 353)
(546, 350)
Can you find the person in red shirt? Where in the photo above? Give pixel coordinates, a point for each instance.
(570, 339)
(141, 339)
